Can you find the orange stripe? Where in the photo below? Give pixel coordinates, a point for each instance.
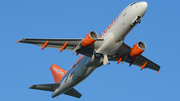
(77, 61)
(64, 46)
(143, 65)
(45, 45)
(105, 30)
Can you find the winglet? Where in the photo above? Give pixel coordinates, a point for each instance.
(158, 70)
(64, 46)
(45, 45)
(18, 41)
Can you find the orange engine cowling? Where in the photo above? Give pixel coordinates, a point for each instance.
(137, 49)
(89, 39)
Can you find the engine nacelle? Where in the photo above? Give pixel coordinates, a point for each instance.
(89, 39)
(138, 49)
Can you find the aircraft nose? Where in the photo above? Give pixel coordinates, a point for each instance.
(144, 5)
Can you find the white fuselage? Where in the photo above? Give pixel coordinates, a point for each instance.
(113, 37)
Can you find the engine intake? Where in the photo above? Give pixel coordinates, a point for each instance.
(89, 39)
(138, 49)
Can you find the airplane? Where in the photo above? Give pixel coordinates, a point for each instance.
(96, 51)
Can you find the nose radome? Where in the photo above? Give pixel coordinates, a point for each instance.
(144, 5)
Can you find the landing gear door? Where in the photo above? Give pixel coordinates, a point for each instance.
(136, 20)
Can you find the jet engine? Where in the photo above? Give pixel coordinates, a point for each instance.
(89, 39)
(138, 49)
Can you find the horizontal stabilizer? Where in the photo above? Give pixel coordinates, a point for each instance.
(46, 87)
(73, 92)
(53, 87)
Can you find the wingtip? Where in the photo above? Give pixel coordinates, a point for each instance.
(18, 41)
(158, 70)
(32, 87)
(80, 96)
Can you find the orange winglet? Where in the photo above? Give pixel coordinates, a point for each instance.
(120, 59)
(143, 65)
(18, 41)
(78, 52)
(45, 45)
(158, 70)
(64, 46)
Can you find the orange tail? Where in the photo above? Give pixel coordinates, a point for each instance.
(57, 73)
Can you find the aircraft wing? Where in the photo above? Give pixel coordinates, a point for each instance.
(60, 43)
(140, 60)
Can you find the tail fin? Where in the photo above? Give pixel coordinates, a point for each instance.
(57, 73)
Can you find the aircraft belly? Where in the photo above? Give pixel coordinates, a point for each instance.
(83, 70)
(75, 75)
(107, 45)
(115, 47)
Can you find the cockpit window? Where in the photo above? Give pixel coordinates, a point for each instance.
(133, 3)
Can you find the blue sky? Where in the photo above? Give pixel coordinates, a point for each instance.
(23, 65)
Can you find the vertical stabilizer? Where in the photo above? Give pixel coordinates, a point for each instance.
(57, 73)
